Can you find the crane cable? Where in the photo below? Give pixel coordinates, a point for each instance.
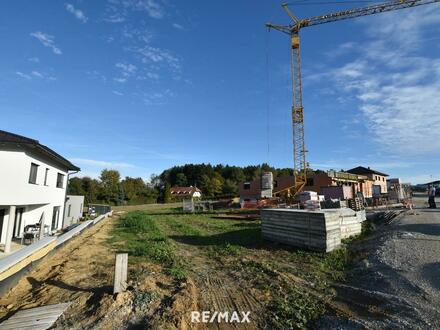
(268, 93)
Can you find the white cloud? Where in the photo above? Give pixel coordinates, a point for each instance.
(342, 49)
(34, 59)
(156, 55)
(398, 89)
(76, 12)
(152, 75)
(153, 8)
(101, 163)
(178, 26)
(117, 11)
(118, 93)
(120, 80)
(94, 74)
(421, 178)
(23, 75)
(47, 41)
(37, 74)
(127, 70)
(157, 98)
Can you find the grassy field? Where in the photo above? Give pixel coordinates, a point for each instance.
(229, 265)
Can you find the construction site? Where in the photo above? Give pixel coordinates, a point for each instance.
(301, 248)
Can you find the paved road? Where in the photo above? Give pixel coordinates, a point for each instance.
(397, 284)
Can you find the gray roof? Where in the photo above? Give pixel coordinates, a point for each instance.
(7, 137)
(365, 170)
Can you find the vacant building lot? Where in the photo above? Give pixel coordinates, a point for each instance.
(215, 262)
(182, 263)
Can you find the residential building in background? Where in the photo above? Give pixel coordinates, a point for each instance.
(379, 179)
(331, 184)
(74, 210)
(185, 192)
(33, 180)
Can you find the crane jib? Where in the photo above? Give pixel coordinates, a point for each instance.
(299, 149)
(357, 12)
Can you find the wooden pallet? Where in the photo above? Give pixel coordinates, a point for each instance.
(39, 318)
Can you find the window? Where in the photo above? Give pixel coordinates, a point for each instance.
(33, 174)
(275, 183)
(247, 186)
(310, 182)
(60, 180)
(69, 209)
(45, 176)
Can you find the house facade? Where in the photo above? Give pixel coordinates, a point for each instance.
(379, 179)
(33, 182)
(331, 184)
(74, 210)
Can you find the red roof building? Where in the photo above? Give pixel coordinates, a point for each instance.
(186, 192)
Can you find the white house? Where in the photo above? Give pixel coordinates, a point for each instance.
(33, 180)
(74, 209)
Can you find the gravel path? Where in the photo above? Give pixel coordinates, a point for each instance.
(397, 285)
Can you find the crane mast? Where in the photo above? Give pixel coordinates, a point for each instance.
(299, 149)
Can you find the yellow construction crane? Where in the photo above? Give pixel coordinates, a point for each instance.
(299, 150)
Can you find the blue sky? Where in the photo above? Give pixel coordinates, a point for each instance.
(142, 85)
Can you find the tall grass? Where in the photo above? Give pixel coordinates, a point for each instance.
(144, 240)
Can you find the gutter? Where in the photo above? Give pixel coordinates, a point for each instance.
(65, 194)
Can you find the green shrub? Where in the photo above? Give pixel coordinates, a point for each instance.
(293, 309)
(137, 221)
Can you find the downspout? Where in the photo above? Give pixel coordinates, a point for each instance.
(65, 194)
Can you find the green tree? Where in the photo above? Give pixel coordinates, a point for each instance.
(133, 189)
(167, 194)
(110, 186)
(75, 187)
(181, 180)
(230, 188)
(91, 189)
(217, 184)
(205, 186)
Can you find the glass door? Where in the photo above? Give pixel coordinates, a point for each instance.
(2, 217)
(55, 217)
(18, 220)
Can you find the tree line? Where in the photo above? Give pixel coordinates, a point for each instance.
(218, 181)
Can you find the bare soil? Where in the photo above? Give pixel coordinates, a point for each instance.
(390, 286)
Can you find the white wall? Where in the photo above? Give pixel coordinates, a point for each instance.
(15, 189)
(76, 204)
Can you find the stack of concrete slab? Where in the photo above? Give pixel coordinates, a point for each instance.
(316, 230)
(307, 229)
(350, 221)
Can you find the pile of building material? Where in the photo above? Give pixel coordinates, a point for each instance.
(333, 204)
(310, 200)
(350, 221)
(315, 230)
(355, 204)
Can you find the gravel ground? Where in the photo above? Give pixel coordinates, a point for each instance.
(397, 285)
